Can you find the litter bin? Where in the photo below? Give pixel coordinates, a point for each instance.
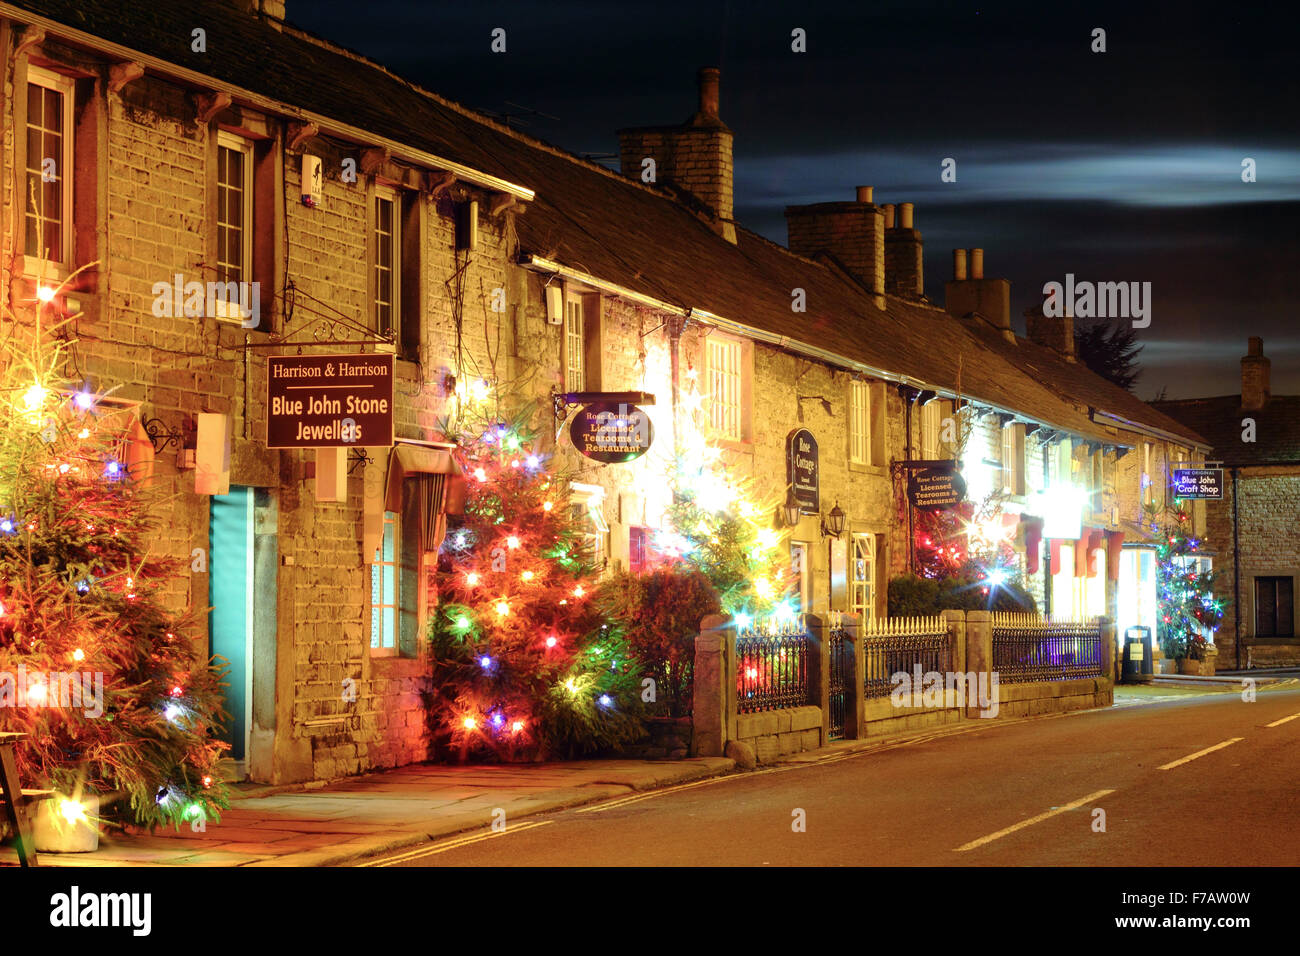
(1136, 667)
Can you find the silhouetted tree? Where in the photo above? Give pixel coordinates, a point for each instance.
(1109, 349)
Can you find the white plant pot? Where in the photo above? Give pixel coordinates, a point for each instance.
(52, 833)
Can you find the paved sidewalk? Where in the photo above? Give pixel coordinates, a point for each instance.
(376, 812)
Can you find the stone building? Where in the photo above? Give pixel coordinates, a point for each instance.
(1256, 437)
(217, 143)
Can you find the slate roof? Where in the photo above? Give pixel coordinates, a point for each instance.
(617, 229)
(1277, 428)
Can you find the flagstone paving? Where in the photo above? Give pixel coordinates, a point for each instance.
(360, 816)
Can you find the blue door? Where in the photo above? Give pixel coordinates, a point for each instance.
(230, 623)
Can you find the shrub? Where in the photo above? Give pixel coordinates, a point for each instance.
(912, 596)
(659, 613)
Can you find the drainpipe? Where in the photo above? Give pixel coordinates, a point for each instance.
(1236, 574)
(907, 455)
(1047, 565)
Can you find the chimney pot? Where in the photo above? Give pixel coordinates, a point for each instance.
(905, 215)
(1254, 345)
(710, 78)
(889, 215)
(864, 193)
(959, 264)
(977, 263)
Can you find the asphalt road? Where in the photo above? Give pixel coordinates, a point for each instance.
(985, 794)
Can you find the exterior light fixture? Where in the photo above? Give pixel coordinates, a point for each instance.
(790, 510)
(833, 523)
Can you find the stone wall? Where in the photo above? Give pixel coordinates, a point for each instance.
(1268, 503)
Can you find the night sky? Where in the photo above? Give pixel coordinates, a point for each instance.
(1116, 166)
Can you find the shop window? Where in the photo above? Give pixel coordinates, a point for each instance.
(383, 591)
(801, 573)
(862, 567)
(586, 503)
(1274, 607)
(394, 585)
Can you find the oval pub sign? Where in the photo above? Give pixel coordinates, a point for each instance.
(612, 433)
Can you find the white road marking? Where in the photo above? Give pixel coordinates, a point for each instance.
(1200, 753)
(455, 844)
(1282, 721)
(1032, 820)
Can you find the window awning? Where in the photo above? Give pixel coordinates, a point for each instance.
(438, 485)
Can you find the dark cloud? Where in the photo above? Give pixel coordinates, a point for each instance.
(1116, 166)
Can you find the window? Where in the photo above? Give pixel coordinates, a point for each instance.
(1274, 607)
(862, 567)
(801, 572)
(587, 504)
(234, 224)
(1096, 480)
(47, 197)
(383, 591)
(1013, 459)
(1145, 477)
(936, 419)
(575, 345)
(638, 549)
(388, 258)
(725, 391)
(395, 582)
(859, 423)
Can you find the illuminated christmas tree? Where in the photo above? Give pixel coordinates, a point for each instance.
(1185, 597)
(721, 523)
(524, 666)
(108, 684)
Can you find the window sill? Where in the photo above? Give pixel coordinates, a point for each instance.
(861, 468)
(744, 446)
(390, 665)
(1251, 639)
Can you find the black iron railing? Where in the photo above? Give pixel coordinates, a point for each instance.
(901, 644)
(841, 674)
(1028, 648)
(771, 671)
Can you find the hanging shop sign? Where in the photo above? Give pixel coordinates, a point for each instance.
(933, 489)
(803, 470)
(612, 433)
(329, 401)
(1198, 483)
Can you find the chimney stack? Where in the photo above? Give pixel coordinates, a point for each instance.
(1255, 386)
(1053, 333)
(695, 157)
(903, 266)
(853, 233)
(978, 297)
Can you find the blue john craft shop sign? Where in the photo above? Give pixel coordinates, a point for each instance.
(1198, 483)
(803, 470)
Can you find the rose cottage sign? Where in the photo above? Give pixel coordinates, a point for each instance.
(329, 401)
(803, 470)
